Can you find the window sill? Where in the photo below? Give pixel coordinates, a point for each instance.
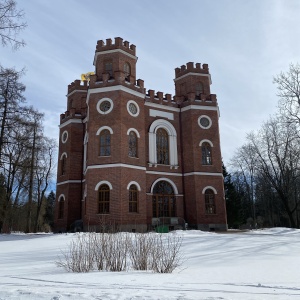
(162, 165)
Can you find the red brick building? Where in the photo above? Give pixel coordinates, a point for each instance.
(136, 158)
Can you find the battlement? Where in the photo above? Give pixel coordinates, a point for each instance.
(118, 79)
(190, 68)
(119, 44)
(77, 85)
(160, 98)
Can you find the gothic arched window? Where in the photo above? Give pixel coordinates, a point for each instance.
(162, 146)
(127, 71)
(108, 66)
(104, 197)
(132, 144)
(199, 90)
(63, 165)
(163, 200)
(105, 143)
(206, 154)
(61, 206)
(210, 207)
(133, 198)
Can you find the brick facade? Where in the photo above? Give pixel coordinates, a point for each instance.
(172, 175)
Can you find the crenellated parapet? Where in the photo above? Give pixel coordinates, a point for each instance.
(191, 68)
(78, 85)
(192, 99)
(118, 79)
(160, 98)
(118, 44)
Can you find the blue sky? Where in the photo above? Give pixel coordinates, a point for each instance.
(245, 44)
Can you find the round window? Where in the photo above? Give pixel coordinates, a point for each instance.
(64, 136)
(105, 106)
(204, 122)
(133, 108)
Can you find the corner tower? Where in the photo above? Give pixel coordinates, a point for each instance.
(201, 154)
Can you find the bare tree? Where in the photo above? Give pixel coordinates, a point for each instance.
(245, 163)
(11, 96)
(43, 172)
(288, 85)
(278, 153)
(11, 24)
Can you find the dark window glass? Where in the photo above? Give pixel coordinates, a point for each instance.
(210, 207)
(127, 71)
(162, 146)
(61, 206)
(199, 90)
(109, 69)
(133, 198)
(163, 200)
(105, 143)
(206, 154)
(132, 144)
(104, 195)
(63, 165)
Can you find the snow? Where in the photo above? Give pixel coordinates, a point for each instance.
(258, 264)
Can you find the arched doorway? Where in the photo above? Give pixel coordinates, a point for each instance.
(163, 200)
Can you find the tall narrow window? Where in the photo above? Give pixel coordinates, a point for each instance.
(210, 207)
(132, 144)
(63, 165)
(109, 68)
(105, 143)
(127, 71)
(61, 206)
(199, 90)
(206, 154)
(133, 198)
(104, 195)
(162, 146)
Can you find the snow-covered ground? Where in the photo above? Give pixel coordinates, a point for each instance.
(262, 264)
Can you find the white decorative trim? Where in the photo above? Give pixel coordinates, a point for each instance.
(113, 51)
(206, 141)
(103, 182)
(163, 173)
(200, 107)
(159, 113)
(103, 128)
(209, 119)
(203, 174)
(135, 183)
(115, 166)
(69, 122)
(114, 88)
(133, 129)
(194, 74)
(165, 179)
(101, 101)
(160, 106)
(63, 154)
(61, 196)
(68, 181)
(85, 141)
(209, 187)
(86, 138)
(62, 137)
(160, 123)
(137, 107)
(76, 91)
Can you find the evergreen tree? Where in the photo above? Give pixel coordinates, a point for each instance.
(49, 213)
(233, 201)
